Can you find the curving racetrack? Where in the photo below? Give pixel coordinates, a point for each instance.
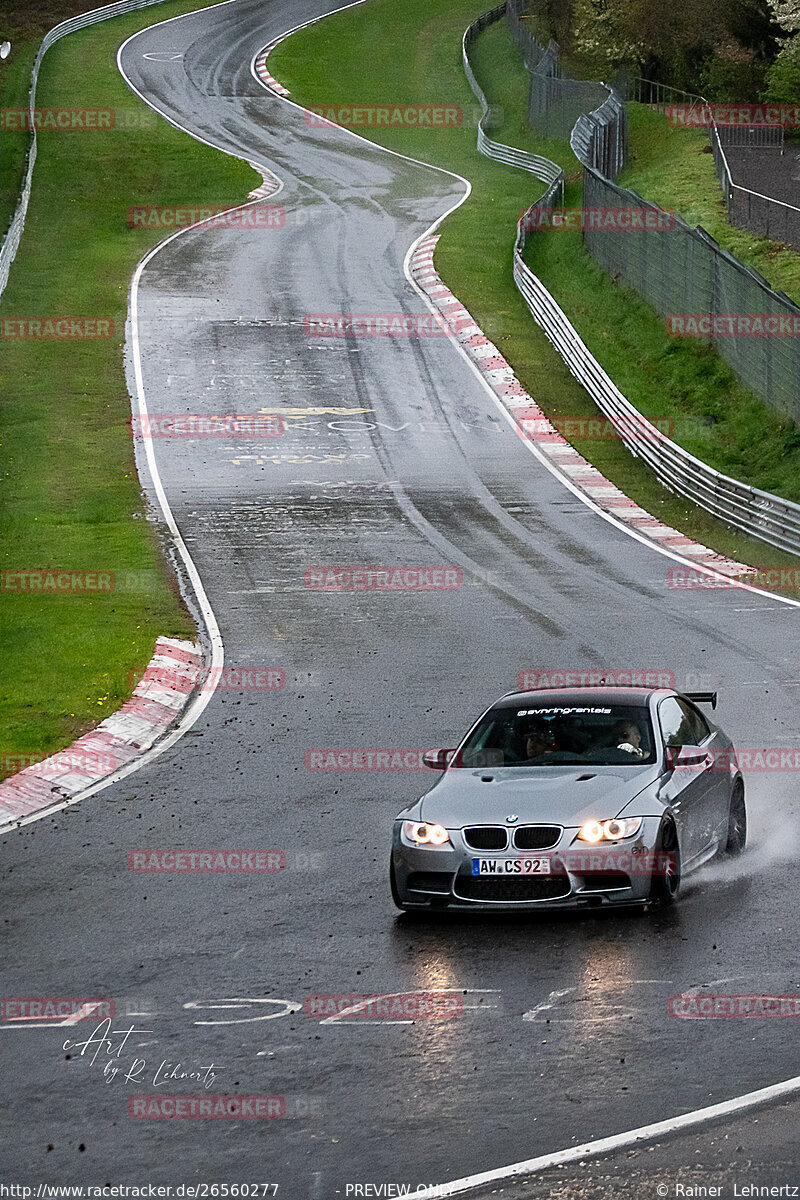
(418, 467)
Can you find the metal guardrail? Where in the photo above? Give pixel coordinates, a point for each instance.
(600, 138)
(755, 512)
(542, 168)
(751, 510)
(11, 240)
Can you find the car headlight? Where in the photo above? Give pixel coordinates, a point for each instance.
(610, 831)
(423, 834)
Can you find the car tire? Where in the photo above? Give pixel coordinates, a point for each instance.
(737, 823)
(665, 885)
(393, 885)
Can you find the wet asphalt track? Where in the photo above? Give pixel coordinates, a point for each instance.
(428, 474)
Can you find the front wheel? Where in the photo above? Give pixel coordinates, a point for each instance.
(737, 823)
(666, 880)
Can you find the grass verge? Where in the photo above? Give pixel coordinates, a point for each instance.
(351, 57)
(24, 26)
(71, 492)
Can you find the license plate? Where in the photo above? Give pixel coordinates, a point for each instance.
(511, 866)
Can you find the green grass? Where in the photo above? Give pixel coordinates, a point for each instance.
(24, 25)
(352, 57)
(71, 493)
(675, 168)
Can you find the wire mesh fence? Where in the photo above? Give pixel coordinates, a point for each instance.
(555, 101)
(531, 47)
(600, 138)
(700, 289)
(765, 215)
(675, 268)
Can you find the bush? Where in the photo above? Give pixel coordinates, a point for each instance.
(782, 81)
(724, 80)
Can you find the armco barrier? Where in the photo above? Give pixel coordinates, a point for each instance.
(11, 240)
(543, 168)
(755, 512)
(758, 513)
(599, 139)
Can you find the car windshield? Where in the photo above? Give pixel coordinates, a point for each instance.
(552, 735)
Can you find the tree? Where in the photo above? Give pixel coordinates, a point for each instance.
(786, 14)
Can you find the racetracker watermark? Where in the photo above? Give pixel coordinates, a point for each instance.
(759, 758)
(57, 581)
(694, 1005)
(733, 324)
(383, 579)
(170, 862)
(211, 425)
(389, 758)
(65, 762)
(744, 758)
(594, 429)
(230, 1108)
(398, 324)
(412, 1006)
(701, 116)
(535, 678)
(611, 861)
(56, 329)
(772, 579)
(56, 1008)
(386, 116)
(57, 120)
(184, 216)
(217, 679)
(600, 219)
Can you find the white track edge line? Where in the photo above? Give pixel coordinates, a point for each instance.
(197, 706)
(615, 1142)
(542, 458)
(672, 1124)
(573, 487)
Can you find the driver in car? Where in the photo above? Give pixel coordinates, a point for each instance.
(537, 741)
(628, 736)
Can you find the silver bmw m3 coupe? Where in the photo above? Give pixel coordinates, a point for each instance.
(570, 798)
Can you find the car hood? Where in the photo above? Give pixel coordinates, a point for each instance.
(561, 795)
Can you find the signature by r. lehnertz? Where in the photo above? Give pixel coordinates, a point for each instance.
(105, 1042)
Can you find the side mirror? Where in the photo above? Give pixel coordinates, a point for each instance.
(685, 756)
(438, 760)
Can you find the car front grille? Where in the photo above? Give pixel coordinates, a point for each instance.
(518, 888)
(486, 837)
(536, 837)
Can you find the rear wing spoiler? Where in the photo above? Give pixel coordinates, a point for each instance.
(703, 698)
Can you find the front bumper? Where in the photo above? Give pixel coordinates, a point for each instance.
(582, 876)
